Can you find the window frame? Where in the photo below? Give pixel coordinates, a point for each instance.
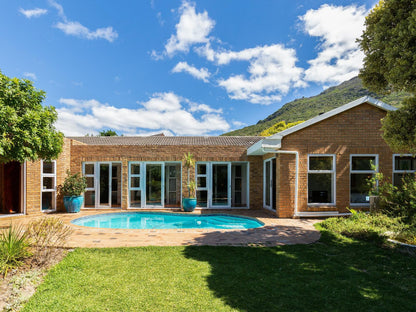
(376, 156)
(140, 187)
(394, 171)
(333, 179)
(52, 190)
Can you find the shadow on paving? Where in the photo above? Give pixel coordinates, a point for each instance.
(331, 275)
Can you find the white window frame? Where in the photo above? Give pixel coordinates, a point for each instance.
(140, 187)
(269, 207)
(208, 187)
(376, 164)
(400, 171)
(333, 178)
(52, 190)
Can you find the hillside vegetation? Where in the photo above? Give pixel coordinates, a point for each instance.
(306, 108)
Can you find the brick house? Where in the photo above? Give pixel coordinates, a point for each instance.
(316, 168)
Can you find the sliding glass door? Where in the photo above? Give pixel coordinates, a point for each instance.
(154, 185)
(221, 185)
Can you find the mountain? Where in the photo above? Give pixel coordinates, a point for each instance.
(306, 108)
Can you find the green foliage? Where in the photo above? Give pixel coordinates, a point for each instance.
(278, 127)
(27, 129)
(370, 227)
(399, 127)
(46, 233)
(14, 248)
(189, 163)
(74, 184)
(389, 45)
(307, 107)
(108, 132)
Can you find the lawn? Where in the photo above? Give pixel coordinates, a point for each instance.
(335, 274)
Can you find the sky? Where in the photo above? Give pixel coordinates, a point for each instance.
(178, 67)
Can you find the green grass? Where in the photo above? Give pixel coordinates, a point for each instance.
(335, 274)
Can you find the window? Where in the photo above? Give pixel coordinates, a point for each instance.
(89, 194)
(202, 184)
(403, 165)
(48, 183)
(362, 168)
(321, 180)
(135, 196)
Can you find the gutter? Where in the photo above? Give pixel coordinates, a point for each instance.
(297, 173)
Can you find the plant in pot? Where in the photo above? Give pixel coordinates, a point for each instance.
(189, 203)
(74, 185)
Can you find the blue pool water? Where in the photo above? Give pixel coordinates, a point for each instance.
(166, 220)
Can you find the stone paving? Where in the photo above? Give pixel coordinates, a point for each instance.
(275, 232)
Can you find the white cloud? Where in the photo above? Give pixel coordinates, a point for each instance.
(31, 76)
(202, 74)
(33, 13)
(192, 28)
(272, 73)
(75, 28)
(338, 27)
(163, 112)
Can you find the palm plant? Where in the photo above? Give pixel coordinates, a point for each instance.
(188, 163)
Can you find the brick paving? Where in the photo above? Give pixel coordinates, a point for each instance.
(276, 231)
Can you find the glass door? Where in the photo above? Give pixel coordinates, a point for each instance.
(269, 184)
(104, 185)
(221, 185)
(154, 185)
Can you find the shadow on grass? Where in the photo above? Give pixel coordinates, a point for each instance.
(334, 274)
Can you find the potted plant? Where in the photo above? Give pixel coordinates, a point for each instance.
(74, 185)
(189, 203)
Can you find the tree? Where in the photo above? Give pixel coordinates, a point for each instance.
(389, 45)
(27, 130)
(108, 132)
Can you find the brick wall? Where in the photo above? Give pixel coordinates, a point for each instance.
(356, 131)
(92, 153)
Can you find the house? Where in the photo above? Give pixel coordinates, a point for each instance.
(316, 168)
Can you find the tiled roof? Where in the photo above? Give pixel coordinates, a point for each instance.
(170, 140)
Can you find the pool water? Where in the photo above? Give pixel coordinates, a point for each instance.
(166, 220)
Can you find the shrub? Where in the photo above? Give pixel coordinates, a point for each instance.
(371, 227)
(14, 248)
(46, 233)
(407, 236)
(74, 185)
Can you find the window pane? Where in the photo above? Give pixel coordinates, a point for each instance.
(48, 167)
(135, 182)
(135, 168)
(48, 183)
(201, 168)
(89, 168)
(202, 182)
(48, 202)
(398, 178)
(405, 163)
(135, 199)
(360, 187)
(320, 188)
(89, 199)
(362, 162)
(90, 182)
(320, 162)
(202, 198)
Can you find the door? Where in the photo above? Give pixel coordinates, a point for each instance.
(154, 185)
(269, 184)
(104, 185)
(221, 185)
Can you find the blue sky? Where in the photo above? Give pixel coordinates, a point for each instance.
(178, 67)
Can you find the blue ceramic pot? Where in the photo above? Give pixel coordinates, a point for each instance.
(73, 203)
(189, 204)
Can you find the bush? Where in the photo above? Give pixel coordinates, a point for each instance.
(74, 185)
(407, 236)
(14, 248)
(370, 227)
(46, 233)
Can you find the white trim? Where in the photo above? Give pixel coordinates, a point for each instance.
(52, 190)
(23, 188)
(322, 214)
(274, 141)
(333, 178)
(361, 172)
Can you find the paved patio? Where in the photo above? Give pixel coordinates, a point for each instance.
(275, 232)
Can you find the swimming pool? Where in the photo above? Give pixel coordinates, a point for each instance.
(166, 220)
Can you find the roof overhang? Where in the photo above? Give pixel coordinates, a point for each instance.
(274, 142)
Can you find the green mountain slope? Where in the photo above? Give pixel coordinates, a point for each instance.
(306, 108)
